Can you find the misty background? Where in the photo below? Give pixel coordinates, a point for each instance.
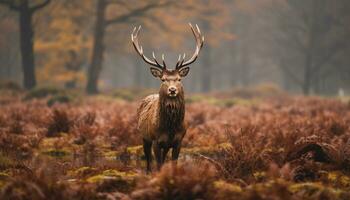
(301, 46)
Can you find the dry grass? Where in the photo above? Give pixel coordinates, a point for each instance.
(275, 148)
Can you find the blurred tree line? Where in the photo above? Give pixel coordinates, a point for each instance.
(300, 45)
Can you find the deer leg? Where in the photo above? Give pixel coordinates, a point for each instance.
(147, 149)
(158, 154)
(176, 151)
(164, 153)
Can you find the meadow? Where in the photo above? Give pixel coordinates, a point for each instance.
(256, 143)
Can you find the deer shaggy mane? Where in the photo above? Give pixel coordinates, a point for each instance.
(159, 114)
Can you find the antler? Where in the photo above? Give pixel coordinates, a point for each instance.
(199, 44)
(139, 50)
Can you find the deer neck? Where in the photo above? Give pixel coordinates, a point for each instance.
(171, 112)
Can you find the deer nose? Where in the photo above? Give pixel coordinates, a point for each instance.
(172, 90)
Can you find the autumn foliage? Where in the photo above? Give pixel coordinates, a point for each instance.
(267, 147)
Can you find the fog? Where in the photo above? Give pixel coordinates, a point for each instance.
(300, 46)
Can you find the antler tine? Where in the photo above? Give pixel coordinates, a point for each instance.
(164, 65)
(199, 36)
(138, 30)
(178, 61)
(155, 59)
(199, 44)
(183, 59)
(198, 30)
(139, 50)
(132, 34)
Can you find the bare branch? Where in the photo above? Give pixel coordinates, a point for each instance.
(39, 6)
(291, 75)
(138, 12)
(333, 51)
(159, 22)
(120, 3)
(10, 4)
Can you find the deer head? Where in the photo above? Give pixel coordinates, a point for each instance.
(171, 78)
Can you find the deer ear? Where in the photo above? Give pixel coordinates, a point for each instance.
(184, 71)
(156, 72)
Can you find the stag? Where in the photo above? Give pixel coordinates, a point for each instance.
(161, 116)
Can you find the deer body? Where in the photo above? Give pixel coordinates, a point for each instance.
(157, 117)
(161, 125)
(161, 116)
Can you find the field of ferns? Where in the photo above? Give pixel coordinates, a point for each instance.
(255, 143)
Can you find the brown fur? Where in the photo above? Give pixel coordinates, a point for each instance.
(161, 117)
(161, 120)
(171, 112)
(159, 114)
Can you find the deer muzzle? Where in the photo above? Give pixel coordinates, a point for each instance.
(172, 91)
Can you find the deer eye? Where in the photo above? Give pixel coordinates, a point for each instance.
(179, 79)
(163, 79)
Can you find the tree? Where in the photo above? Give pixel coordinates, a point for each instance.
(310, 32)
(63, 43)
(156, 15)
(26, 10)
(101, 25)
(9, 46)
(244, 45)
(214, 18)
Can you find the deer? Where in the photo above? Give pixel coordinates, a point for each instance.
(160, 117)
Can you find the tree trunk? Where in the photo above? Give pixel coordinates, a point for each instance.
(310, 52)
(286, 81)
(316, 83)
(98, 49)
(27, 49)
(307, 75)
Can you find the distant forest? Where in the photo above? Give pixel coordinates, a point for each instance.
(301, 46)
